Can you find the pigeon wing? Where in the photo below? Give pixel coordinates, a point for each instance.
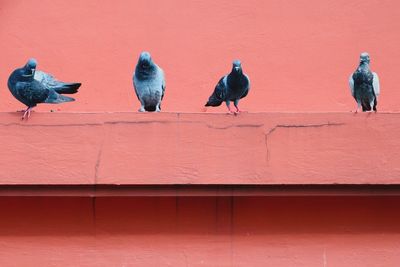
(219, 93)
(163, 83)
(163, 90)
(135, 87)
(351, 85)
(31, 93)
(46, 79)
(50, 82)
(247, 89)
(376, 85)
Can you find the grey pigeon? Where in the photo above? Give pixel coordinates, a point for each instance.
(231, 87)
(149, 83)
(364, 85)
(33, 87)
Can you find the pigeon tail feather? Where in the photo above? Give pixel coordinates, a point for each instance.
(150, 107)
(55, 98)
(213, 101)
(68, 88)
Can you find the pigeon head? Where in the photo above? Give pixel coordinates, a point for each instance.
(29, 68)
(364, 58)
(145, 60)
(237, 66)
(31, 63)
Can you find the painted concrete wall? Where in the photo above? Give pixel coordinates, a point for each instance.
(298, 54)
(167, 148)
(242, 231)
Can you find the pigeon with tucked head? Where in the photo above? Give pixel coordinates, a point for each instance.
(149, 83)
(32, 87)
(231, 87)
(364, 85)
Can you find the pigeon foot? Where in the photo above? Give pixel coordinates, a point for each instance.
(240, 110)
(231, 112)
(27, 114)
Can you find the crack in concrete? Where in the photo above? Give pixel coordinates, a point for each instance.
(142, 122)
(294, 126)
(235, 126)
(100, 153)
(93, 124)
(132, 122)
(187, 122)
(51, 125)
(96, 166)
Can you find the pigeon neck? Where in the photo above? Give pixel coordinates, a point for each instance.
(144, 73)
(236, 74)
(27, 74)
(364, 66)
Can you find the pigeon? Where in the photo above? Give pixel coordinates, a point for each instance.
(149, 83)
(231, 87)
(32, 87)
(364, 85)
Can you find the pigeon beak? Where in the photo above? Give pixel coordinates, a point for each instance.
(237, 68)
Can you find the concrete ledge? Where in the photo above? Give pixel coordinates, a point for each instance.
(206, 148)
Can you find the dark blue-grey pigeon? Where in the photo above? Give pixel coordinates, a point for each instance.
(32, 87)
(364, 85)
(231, 87)
(149, 83)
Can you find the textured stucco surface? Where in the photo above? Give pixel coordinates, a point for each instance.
(298, 54)
(175, 148)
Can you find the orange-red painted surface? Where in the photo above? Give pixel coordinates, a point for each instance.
(298, 54)
(177, 148)
(240, 231)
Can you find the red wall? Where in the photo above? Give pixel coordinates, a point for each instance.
(298, 54)
(200, 231)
